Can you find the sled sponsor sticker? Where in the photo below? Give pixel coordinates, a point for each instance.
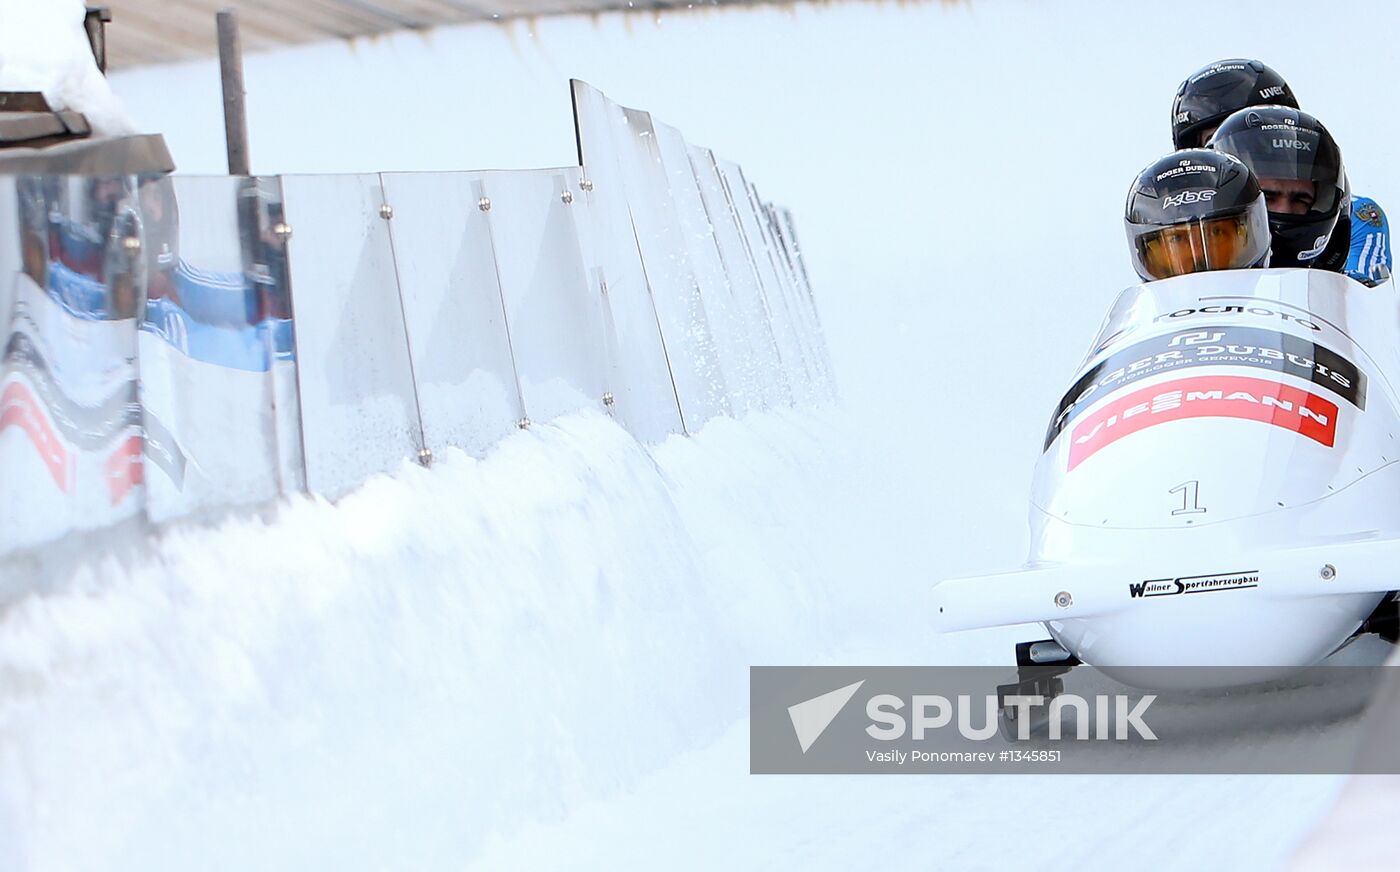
(1257, 311)
(1223, 396)
(1160, 587)
(1252, 347)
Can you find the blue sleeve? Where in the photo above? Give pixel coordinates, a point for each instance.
(1369, 261)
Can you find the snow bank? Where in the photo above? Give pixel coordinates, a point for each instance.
(442, 656)
(43, 48)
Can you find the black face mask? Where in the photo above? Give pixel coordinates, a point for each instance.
(1300, 240)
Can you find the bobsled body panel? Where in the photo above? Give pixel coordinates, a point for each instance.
(1203, 596)
(1219, 396)
(1220, 420)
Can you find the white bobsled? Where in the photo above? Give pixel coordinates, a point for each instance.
(1221, 483)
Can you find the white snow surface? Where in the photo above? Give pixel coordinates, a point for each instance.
(43, 48)
(539, 660)
(442, 656)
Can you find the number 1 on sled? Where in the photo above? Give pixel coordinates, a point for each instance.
(1190, 498)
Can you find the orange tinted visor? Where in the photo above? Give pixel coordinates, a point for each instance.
(1224, 242)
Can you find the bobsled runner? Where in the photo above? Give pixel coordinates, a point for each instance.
(1219, 486)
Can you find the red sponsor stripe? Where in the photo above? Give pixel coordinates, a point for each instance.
(18, 408)
(124, 469)
(1252, 399)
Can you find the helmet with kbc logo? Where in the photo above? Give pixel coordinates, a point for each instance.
(1195, 210)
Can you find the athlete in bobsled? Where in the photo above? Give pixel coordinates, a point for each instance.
(1361, 247)
(1196, 210)
(1220, 484)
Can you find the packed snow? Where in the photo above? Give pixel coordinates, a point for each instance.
(539, 659)
(43, 47)
(442, 656)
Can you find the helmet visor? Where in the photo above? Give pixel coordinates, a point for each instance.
(1218, 242)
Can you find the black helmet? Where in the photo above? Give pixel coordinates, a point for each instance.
(1196, 210)
(1299, 167)
(1215, 91)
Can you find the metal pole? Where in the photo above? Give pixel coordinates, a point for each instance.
(235, 112)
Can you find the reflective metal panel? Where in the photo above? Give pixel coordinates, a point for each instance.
(358, 405)
(645, 394)
(457, 328)
(555, 315)
(265, 231)
(731, 338)
(770, 282)
(206, 393)
(11, 254)
(685, 326)
(787, 292)
(789, 225)
(770, 379)
(70, 426)
(787, 229)
(798, 300)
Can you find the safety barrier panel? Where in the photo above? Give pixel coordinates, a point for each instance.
(555, 319)
(680, 310)
(359, 402)
(181, 346)
(741, 375)
(70, 416)
(216, 331)
(646, 394)
(453, 311)
(770, 382)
